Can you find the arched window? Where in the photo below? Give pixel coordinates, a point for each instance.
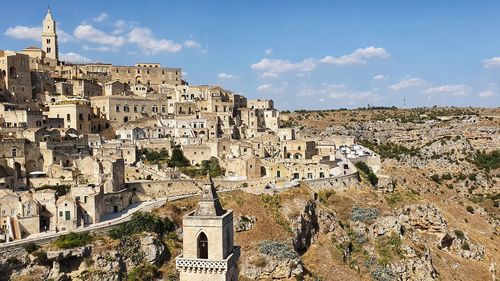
(202, 246)
(12, 72)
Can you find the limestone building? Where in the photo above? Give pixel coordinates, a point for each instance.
(208, 249)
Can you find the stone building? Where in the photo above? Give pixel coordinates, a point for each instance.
(151, 75)
(208, 251)
(86, 88)
(15, 71)
(77, 114)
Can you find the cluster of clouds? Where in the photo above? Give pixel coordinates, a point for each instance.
(412, 84)
(101, 34)
(273, 68)
(96, 39)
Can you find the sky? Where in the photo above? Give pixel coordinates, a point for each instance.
(301, 54)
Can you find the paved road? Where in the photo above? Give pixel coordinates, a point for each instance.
(110, 221)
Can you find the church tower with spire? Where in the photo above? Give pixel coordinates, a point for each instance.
(208, 251)
(49, 39)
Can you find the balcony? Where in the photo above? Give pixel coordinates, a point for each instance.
(206, 265)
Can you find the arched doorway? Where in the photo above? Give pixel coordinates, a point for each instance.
(17, 167)
(202, 246)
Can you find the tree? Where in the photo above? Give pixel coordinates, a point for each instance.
(211, 166)
(178, 159)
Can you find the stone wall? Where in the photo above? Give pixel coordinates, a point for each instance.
(169, 188)
(336, 183)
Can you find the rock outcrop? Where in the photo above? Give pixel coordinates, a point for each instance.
(90, 262)
(244, 223)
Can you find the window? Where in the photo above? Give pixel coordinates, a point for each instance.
(48, 41)
(117, 108)
(67, 215)
(61, 213)
(68, 117)
(80, 117)
(202, 246)
(14, 152)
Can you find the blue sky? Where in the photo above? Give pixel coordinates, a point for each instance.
(302, 54)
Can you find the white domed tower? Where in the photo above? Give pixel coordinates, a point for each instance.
(208, 252)
(49, 38)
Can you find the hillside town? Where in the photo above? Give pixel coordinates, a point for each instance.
(82, 141)
(132, 172)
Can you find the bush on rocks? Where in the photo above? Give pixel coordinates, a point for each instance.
(363, 214)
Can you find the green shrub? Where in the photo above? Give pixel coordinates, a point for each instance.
(472, 177)
(60, 190)
(143, 272)
(436, 178)
(40, 257)
(460, 234)
(364, 214)
(324, 195)
(363, 168)
(277, 249)
(488, 161)
(30, 247)
(447, 176)
(72, 240)
(390, 150)
(388, 248)
(469, 209)
(207, 166)
(465, 246)
(153, 156)
(140, 222)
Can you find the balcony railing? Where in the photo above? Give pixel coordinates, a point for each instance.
(206, 265)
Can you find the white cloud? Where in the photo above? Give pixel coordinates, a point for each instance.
(407, 83)
(486, 94)
(100, 18)
(88, 33)
(357, 57)
(34, 33)
(379, 77)
(64, 37)
(223, 75)
(269, 75)
(120, 27)
(455, 90)
(493, 62)
(25, 32)
(73, 58)
(269, 52)
(192, 44)
(264, 88)
(145, 39)
(277, 66)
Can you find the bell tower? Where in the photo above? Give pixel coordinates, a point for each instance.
(208, 251)
(49, 38)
